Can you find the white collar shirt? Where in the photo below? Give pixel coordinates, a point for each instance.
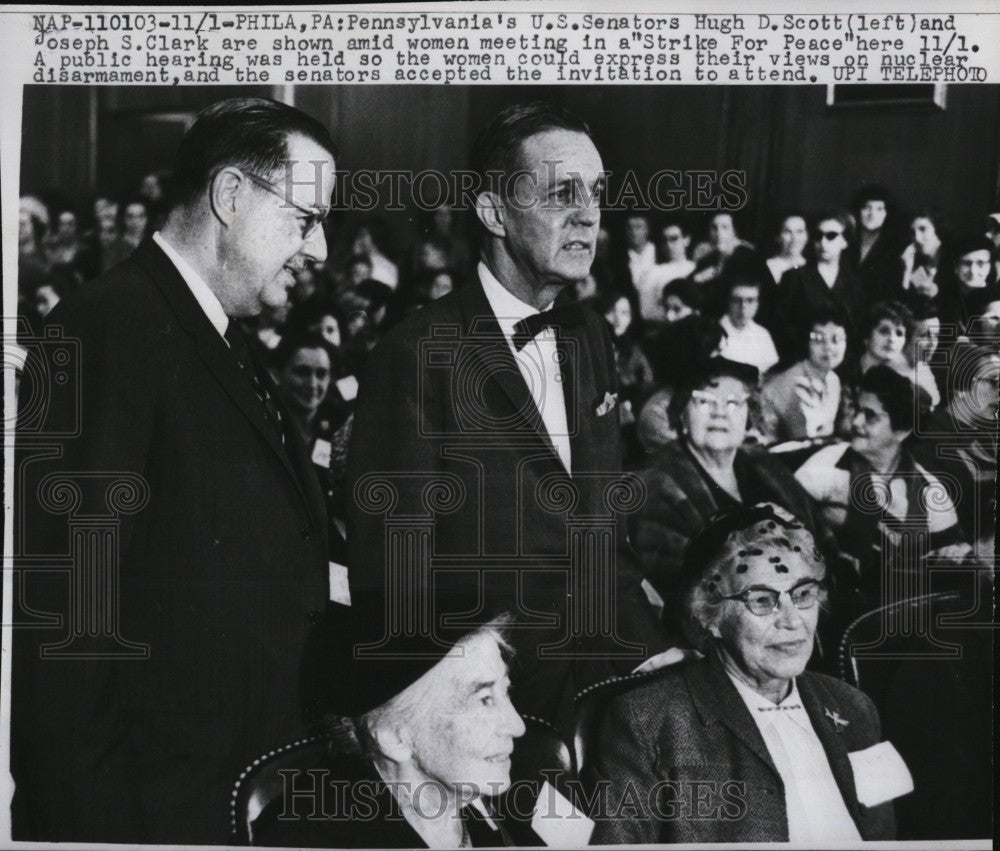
(199, 289)
(538, 362)
(751, 344)
(815, 807)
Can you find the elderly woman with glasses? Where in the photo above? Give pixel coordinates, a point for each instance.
(704, 471)
(745, 745)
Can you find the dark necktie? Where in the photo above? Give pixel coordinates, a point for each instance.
(244, 357)
(529, 327)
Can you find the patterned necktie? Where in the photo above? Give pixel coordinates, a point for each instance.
(529, 327)
(244, 357)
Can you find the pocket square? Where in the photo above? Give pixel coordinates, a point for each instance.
(608, 405)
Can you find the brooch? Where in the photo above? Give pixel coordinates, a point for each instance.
(838, 722)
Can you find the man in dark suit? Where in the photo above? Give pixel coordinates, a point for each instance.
(197, 530)
(485, 450)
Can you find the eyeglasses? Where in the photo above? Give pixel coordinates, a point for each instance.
(761, 600)
(831, 235)
(822, 339)
(708, 401)
(311, 219)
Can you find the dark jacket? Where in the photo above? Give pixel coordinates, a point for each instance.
(690, 726)
(803, 291)
(449, 447)
(169, 475)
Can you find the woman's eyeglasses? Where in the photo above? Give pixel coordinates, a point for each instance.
(761, 600)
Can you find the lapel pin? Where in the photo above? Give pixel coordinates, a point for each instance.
(838, 722)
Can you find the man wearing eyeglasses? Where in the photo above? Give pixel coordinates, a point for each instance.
(746, 745)
(189, 625)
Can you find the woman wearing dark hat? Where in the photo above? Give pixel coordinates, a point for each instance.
(430, 730)
(745, 745)
(705, 470)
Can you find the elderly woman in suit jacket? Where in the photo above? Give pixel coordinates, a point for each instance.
(745, 745)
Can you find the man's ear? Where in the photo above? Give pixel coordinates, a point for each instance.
(223, 192)
(492, 213)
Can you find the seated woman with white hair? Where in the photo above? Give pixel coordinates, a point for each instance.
(745, 745)
(425, 730)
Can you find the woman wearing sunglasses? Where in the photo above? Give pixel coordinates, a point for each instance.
(826, 281)
(745, 745)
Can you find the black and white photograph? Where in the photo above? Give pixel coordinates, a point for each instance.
(494, 459)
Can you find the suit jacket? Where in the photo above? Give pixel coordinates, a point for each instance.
(691, 727)
(446, 421)
(220, 536)
(358, 810)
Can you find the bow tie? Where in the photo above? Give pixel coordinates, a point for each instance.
(529, 327)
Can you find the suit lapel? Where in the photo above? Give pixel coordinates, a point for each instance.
(816, 705)
(579, 378)
(717, 699)
(219, 361)
(480, 324)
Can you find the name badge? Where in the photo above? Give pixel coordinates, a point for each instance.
(340, 590)
(348, 387)
(321, 453)
(558, 822)
(880, 774)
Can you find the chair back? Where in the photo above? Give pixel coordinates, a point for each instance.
(591, 706)
(262, 782)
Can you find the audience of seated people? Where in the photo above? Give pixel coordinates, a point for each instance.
(884, 357)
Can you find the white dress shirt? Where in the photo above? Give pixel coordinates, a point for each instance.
(816, 810)
(199, 289)
(538, 362)
(750, 344)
